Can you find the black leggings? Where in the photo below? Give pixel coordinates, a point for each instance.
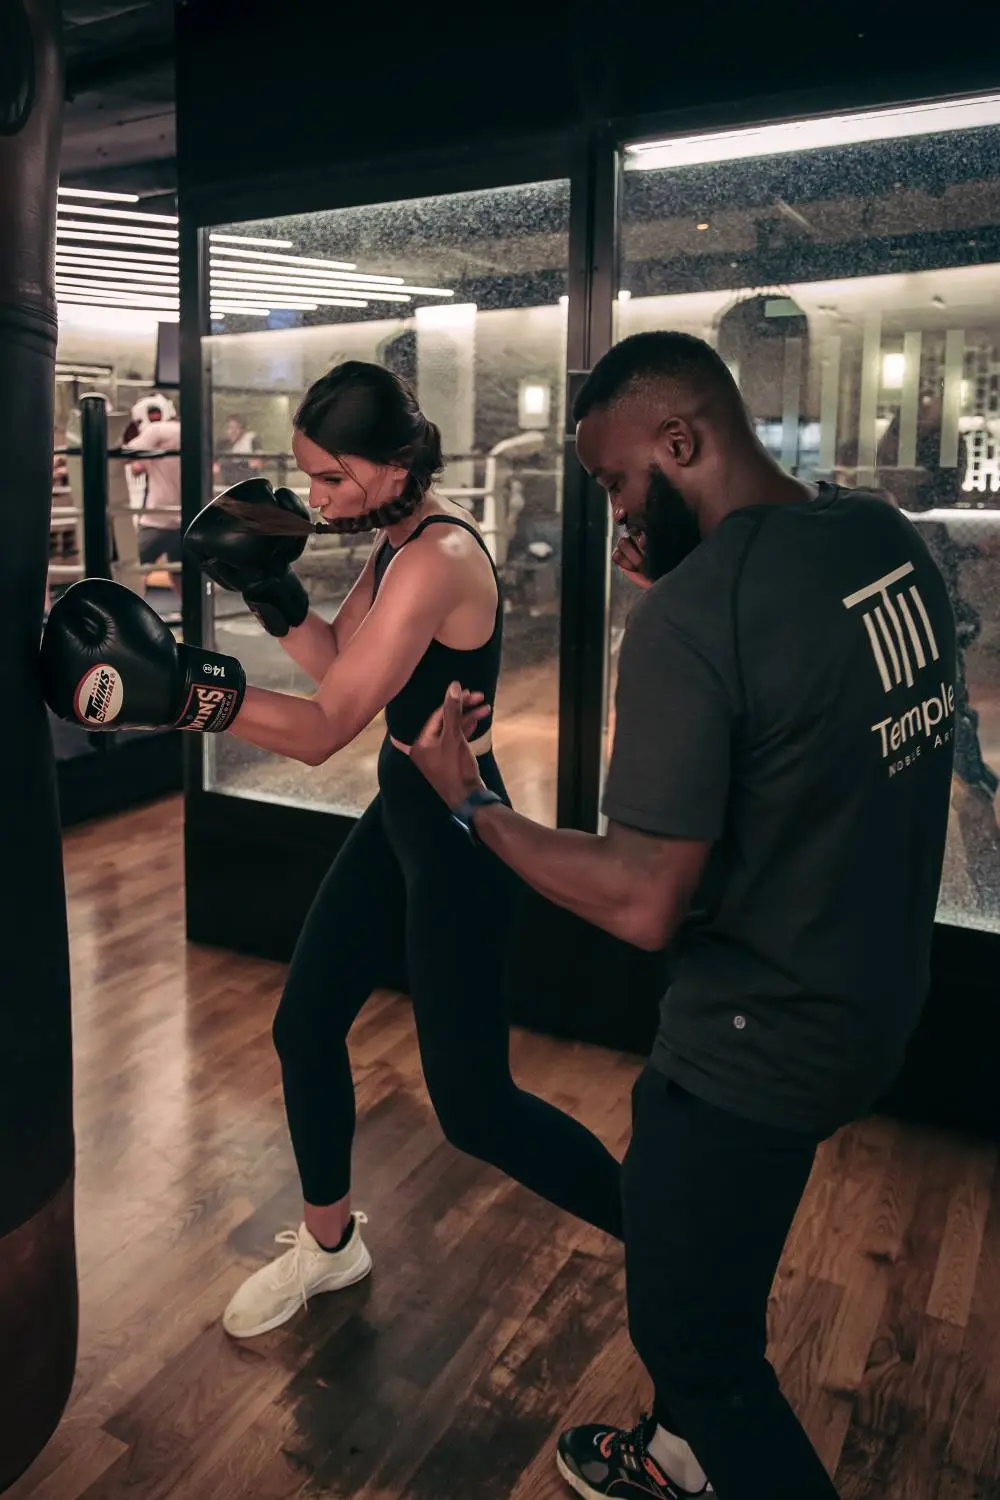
(410, 895)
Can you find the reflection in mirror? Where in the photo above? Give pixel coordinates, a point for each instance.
(846, 270)
(463, 297)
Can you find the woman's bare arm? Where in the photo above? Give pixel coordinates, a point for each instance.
(315, 644)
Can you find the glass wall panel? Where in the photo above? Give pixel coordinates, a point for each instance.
(465, 296)
(848, 270)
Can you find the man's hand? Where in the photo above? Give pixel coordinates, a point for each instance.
(629, 556)
(442, 751)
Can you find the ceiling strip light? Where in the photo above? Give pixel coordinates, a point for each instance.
(115, 257)
(120, 213)
(248, 239)
(114, 228)
(815, 134)
(138, 304)
(69, 192)
(276, 265)
(304, 289)
(357, 280)
(302, 260)
(148, 241)
(341, 288)
(341, 296)
(102, 294)
(137, 273)
(81, 283)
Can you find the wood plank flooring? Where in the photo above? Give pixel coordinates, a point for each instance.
(491, 1320)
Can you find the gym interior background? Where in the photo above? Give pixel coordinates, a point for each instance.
(845, 265)
(486, 215)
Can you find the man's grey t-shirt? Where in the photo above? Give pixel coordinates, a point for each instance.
(787, 694)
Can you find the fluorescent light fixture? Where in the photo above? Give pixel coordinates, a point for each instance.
(284, 265)
(301, 260)
(238, 307)
(425, 291)
(118, 229)
(292, 283)
(343, 281)
(893, 371)
(143, 288)
(342, 295)
(248, 239)
(815, 134)
(68, 192)
(278, 301)
(122, 213)
(83, 299)
(126, 299)
(112, 239)
(88, 264)
(115, 257)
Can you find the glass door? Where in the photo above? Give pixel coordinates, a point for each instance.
(465, 296)
(846, 269)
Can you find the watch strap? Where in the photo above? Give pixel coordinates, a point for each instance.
(466, 810)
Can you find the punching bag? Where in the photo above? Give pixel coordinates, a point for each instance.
(38, 1298)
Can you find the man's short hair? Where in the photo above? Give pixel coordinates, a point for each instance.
(652, 358)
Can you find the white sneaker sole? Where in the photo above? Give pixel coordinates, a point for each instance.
(574, 1481)
(336, 1283)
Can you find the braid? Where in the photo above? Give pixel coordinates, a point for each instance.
(393, 510)
(383, 515)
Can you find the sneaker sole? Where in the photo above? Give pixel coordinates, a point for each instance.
(575, 1481)
(363, 1270)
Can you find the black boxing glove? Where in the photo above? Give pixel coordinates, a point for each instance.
(109, 662)
(250, 562)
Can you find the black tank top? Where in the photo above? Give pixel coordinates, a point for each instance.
(476, 670)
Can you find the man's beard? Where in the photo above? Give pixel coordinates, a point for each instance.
(668, 525)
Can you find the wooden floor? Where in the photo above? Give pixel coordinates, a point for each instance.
(491, 1320)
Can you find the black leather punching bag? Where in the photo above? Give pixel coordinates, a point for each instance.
(38, 1299)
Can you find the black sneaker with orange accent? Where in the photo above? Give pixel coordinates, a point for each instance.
(610, 1462)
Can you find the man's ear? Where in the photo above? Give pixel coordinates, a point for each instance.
(676, 441)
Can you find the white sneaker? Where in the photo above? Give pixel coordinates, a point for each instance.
(275, 1293)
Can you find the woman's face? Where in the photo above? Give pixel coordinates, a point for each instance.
(345, 486)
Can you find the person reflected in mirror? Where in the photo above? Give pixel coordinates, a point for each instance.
(236, 455)
(160, 518)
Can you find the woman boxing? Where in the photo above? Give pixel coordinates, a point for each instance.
(410, 891)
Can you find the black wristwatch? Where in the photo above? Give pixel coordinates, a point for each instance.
(465, 812)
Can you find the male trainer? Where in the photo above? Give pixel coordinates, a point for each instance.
(777, 802)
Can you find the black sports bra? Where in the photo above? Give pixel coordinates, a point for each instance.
(477, 670)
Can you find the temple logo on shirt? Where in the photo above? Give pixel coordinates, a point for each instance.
(898, 626)
(903, 646)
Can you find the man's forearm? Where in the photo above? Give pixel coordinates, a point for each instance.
(571, 869)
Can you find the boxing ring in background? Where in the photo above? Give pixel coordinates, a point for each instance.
(96, 510)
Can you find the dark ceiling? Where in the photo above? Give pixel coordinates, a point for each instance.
(118, 130)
